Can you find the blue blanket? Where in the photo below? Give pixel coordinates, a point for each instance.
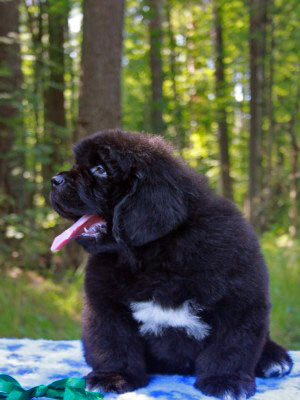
(35, 362)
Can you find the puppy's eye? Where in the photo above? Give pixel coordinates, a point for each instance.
(99, 171)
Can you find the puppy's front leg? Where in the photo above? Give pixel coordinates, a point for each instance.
(101, 242)
(225, 368)
(113, 349)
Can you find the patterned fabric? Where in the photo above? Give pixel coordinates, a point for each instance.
(35, 362)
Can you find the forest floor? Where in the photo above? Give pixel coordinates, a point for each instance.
(36, 307)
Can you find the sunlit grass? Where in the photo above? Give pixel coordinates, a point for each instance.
(35, 307)
(32, 306)
(283, 258)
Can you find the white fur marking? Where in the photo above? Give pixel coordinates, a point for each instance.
(154, 318)
(276, 369)
(94, 389)
(232, 396)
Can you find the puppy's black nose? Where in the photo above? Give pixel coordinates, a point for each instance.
(57, 180)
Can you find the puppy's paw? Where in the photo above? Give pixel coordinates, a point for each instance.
(274, 364)
(113, 382)
(227, 387)
(97, 243)
(277, 369)
(88, 243)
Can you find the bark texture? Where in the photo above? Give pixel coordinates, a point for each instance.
(55, 119)
(221, 98)
(57, 20)
(100, 92)
(258, 9)
(295, 171)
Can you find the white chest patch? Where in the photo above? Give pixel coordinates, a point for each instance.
(154, 319)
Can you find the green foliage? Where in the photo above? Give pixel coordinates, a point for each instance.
(40, 148)
(189, 103)
(136, 79)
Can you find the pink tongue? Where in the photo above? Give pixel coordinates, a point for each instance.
(75, 230)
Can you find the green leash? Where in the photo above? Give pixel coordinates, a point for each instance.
(65, 389)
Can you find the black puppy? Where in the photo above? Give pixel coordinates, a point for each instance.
(176, 282)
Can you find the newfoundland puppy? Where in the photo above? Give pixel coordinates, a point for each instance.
(175, 282)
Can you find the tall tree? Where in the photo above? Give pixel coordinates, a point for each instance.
(295, 169)
(258, 9)
(35, 85)
(180, 133)
(270, 107)
(156, 37)
(36, 28)
(11, 161)
(221, 100)
(54, 100)
(100, 96)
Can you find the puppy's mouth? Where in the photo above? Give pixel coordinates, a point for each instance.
(87, 225)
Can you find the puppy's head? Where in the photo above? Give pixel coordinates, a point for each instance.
(131, 180)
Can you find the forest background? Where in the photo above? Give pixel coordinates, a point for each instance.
(220, 79)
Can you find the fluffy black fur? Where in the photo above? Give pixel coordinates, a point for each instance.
(169, 239)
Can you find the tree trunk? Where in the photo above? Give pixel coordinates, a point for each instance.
(295, 171)
(54, 101)
(100, 96)
(35, 24)
(257, 44)
(11, 160)
(268, 184)
(180, 133)
(156, 37)
(221, 99)
(270, 108)
(294, 186)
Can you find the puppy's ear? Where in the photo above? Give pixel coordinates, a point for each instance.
(153, 207)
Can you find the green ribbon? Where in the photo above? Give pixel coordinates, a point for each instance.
(65, 389)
